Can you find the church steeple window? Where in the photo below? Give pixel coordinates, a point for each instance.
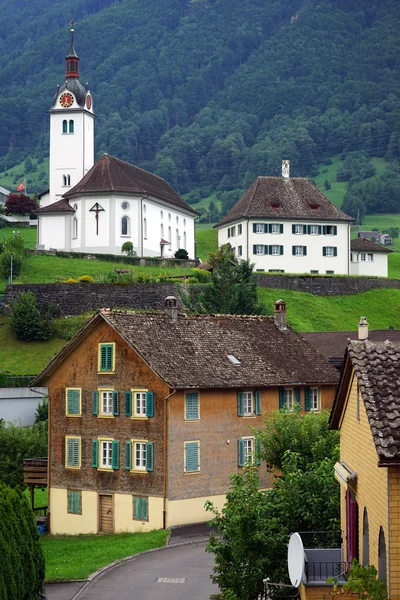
(65, 126)
(67, 180)
(71, 126)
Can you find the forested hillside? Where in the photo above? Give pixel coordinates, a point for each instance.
(211, 93)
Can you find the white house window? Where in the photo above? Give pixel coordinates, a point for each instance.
(275, 228)
(248, 444)
(177, 220)
(367, 257)
(299, 250)
(140, 456)
(330, 230)
(259, 227)
(275, 250)
(351, 257)
(145, 228)
(140, 404)
(125, 205)
(125, 226)
(178, 239)
(314, 399)
(240, 250)
(106, 455)
(330, 251)
(248, 404)
(370, 257)
(75, 228)
(75, 207)
(240, 228)
(363, 257)
(144, 209)
(314, 229)
(259, 249)
(169, 217)
(67, 179)
(107, 402)
(233, 231)
(289, 400)
(298, 229)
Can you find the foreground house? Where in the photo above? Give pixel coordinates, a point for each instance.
(366, 410)
(287, 225)
(150, 413)
(368, 258)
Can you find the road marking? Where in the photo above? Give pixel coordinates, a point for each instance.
(170, 580)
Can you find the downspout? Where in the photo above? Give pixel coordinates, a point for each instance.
(248, 256)
(141, 223)
(348, 249)
(166, 420)
(388, 537)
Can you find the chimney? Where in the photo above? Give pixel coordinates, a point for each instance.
(363, 329)
(285, 169)
(280, 314)
(171, 308)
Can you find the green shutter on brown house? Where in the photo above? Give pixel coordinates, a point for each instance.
(240, 404)
(128, 404)
(258, 403)
(149, 404)
(240, 453)
(149, 456)
(115, 454)
(95, 453)
(95, 402)
(115, 403)
(128, 455)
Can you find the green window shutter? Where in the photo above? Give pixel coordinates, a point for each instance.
(269, 249)
(294, 250)
(106, 357)
(258, 452)
(281, 228)
(70, 452)
(140, 508)
(258, 403)
(293, 229)
(324, 229)
(281, 398)
(240, 453)
(95, 402)
(74, 502)
(128, 455)
(192, 457)
(335, 251)
(254, 227)
(115, 454)
(307, 399)
(267, 228)
(103, 358)
(304, 250)
(76, 452)
(150, 404)
(281, 250)
(73, 402)
(149, 456)
(304, 229)
(192, 406)
(334, 230)
(240, 404)
(78, 499)
(324, 251)
(309, 229)
(319, 229)
(254, 249)
(128, 404)
(95, 453)
(115, 401)
(297, 394)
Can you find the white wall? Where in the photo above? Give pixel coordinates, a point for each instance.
(52, 231)
(18, 405)
(313, 261)
(377, 268)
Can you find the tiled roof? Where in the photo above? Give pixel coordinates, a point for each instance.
(276, 198)
(377, 368)
(361, 244)
(61, 206)
(109, 174)
(193, 351)
(333, 343)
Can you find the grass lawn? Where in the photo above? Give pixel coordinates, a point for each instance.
(204, 202)
(308, 312)
(28, 234)
(206, 241)
(76, 557)
(41, 496)
(24, 358)
(37, 179)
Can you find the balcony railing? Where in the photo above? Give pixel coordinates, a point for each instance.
(321, 571)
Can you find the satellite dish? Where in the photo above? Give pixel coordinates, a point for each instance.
(296, 560)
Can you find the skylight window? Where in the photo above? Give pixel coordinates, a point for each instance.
(234, 360)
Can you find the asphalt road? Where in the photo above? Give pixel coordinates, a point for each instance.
(178, 573)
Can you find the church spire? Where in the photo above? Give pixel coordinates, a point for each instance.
(72, 59)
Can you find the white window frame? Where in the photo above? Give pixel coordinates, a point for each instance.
(298, 251)
(275, 228)
(260, 251)
(138, 396)
(298, 229)
(249, 449)
(313, 229)
(240, 229)
(139, 455)
(248, 404)
(74, 228)
(331, 230)
(314, 398)
(240, 250)
(233, 231)
(128, 226)
(106, 396)
(363, 257)
(106, 454)
(370, 257)
(329, 252)
(259, 227)
(289, 398)
(276, 250)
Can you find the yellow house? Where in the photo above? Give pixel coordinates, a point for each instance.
(366, 410)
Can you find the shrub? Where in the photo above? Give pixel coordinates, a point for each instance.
(202, 275)
(85, 279)
(127, 247)
(71, 280)
(327, 184)
(181, 254)
(42, 411)
(28, 322)
(23, 566)
(10, 259)
(17, 443)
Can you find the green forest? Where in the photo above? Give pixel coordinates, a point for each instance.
(211, 93)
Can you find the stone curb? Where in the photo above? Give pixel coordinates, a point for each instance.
(96, 574)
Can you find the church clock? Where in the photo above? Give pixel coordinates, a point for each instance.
(66, 100)
(88, 102)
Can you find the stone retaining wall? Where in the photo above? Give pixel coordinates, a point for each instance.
(326, 286)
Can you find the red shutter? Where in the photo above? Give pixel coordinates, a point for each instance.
(351, 526)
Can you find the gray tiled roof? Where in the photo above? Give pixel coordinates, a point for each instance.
(276, 198)
(361, 244)
(377, 368)
(110, 174)
(193, 351)
(334, 343)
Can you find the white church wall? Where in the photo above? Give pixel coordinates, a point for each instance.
(52, 231)
(127, 206)
(93, 241)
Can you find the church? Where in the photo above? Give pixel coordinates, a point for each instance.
(97, 207)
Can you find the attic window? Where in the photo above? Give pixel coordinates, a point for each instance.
(314, 205)
(275, 204)
(234, 360)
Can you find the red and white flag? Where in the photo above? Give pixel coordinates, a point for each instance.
(21, 187)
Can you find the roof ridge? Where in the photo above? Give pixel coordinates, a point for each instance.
(116, 162)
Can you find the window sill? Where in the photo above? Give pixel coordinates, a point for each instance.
(125, 235)
(105, 416)
(74, 468)
(139, 471)
(73, 415)
(105, 469)
(74, 513)
(191, 420)
(249, 416)
(106, 372)
(192, 472)
(139, 418)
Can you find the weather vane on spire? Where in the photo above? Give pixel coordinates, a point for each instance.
(72, 22)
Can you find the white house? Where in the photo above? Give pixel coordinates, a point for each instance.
(287, 225)
(95, 208)
(368, 258)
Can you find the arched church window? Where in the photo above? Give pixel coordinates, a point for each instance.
(184, 240)
(75, 207)
(177, 220)
(178, 239)
(145, 228)
(125, 226)
(382, 556)
(184, 222)
(71, 126)
(365, 540)
(169, 234)
(75, 228)
(144, 209)
(67, 179)
(65, 126)
(169, 217)
(162, 231)
(161, 214)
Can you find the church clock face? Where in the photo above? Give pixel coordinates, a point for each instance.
(66, 100)
(88, 102)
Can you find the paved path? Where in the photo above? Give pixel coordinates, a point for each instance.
(63, 591)
(139, 579)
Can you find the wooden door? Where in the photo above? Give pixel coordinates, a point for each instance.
(106, 524)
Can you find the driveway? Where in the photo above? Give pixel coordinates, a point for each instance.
(176, 573)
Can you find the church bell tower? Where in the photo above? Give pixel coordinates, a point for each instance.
(71, 130)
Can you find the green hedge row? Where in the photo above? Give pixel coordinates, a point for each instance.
(23, 568)
(129, 260)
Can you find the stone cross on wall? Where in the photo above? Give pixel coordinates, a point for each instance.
(285, 169)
